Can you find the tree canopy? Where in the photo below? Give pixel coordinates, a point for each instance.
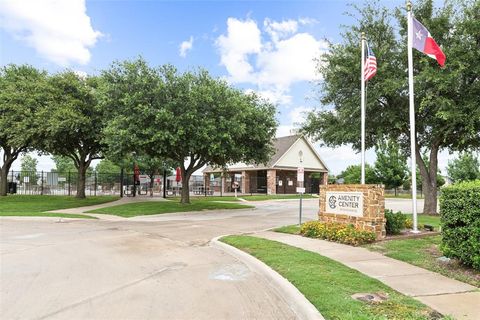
(23, 91)
(352, 174)
(73, 122)
(187, 117)
(391, 165)
(446, 100)
(464, 168)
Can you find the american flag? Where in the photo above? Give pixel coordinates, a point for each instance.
(370, 64)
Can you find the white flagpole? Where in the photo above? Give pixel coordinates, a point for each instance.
(363, 107)
(412, 118)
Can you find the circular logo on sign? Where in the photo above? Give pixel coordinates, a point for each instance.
(332, 202)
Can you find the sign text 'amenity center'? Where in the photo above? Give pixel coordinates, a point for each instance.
(349, 203)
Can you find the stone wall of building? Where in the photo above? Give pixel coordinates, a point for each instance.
(271, 181)
(245, 182)
(373, 218)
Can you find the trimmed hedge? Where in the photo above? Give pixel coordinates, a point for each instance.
(396, 222)
(460, 216)
(343, 233)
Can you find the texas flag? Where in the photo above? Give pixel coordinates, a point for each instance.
(423, 41)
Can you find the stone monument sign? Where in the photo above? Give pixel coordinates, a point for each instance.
(360, 205)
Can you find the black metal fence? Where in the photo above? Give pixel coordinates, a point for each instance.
(64, 183)
(96, 183)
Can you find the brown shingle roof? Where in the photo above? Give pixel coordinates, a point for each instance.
(280, 145)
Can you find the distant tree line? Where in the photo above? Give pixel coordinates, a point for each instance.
(391, 169)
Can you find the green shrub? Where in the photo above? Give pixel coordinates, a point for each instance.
(460, 217)
(396, 222)
(408, 223)
(337, 232)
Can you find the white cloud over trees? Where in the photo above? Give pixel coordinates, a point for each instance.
(60, 31)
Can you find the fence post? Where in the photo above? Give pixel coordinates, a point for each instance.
(95, 184)
(41, 185)
(69, 183)
(164, 183)
(121, 183)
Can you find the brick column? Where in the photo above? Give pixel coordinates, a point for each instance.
(324, 179)
(206, 179)
(245, 181)
(271, 181)
(224, 183)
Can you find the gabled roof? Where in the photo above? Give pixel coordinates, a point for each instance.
(281, 145)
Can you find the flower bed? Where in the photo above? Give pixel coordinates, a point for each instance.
(343, 233)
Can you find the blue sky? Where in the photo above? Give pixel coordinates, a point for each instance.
(265, 46)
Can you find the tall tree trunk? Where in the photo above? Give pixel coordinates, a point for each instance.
(3, 180)
(8, 159)
(152, 181)
(429, 179)
(185, 183)
(82, 169)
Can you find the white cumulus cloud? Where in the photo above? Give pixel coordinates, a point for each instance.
(185, 46)
(272, 60)
(243, 39)
(60, 31)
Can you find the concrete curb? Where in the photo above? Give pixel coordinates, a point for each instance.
(303, 308)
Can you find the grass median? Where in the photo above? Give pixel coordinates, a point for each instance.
(257, 197)
(27, 205)
(328, 285)
(159, 207)
(424, 253)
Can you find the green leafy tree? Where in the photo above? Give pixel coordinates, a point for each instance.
(464, 168)
(188, 116)
(63, 164)
(446, 100)
(391, 165)
(107, 172)
(74, 121)
(28, 163)
(107, 166)
(22, 93)
(28, 168)
(352, 174)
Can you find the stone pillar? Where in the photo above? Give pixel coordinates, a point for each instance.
(224, 183)
(206, 180)
(271, 181)
(324, 179)
(246, 181)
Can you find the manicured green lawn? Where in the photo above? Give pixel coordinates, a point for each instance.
(276, 197)
(158, 207)
(261, 197)
(402, 196)
(427, 219)
(328, 285)
(423, 252)
(212, 198)
(23, 205)
(422, 219)
(45, 214)
(292, 229)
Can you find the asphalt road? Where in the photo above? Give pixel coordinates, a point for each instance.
(151, 267)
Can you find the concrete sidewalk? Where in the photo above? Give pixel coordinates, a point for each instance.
(447, 296)
(123, 200)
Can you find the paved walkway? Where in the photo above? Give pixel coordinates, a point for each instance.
(123, 200)
(447, 296)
